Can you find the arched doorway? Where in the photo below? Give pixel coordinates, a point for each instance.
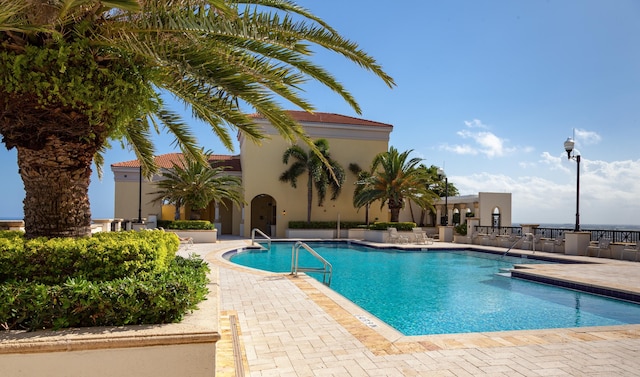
(263, 214)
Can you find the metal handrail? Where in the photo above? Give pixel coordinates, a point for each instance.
(514, 245)
(253, 236)
(615, 235)
(326, 269)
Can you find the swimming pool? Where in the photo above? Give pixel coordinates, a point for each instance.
(446, 292)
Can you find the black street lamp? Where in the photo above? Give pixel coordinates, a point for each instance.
(446, 196)
(568, 146)
(140, 195)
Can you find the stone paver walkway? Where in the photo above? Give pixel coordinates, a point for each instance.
(297, 327)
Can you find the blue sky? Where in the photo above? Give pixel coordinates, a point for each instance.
(488, 89)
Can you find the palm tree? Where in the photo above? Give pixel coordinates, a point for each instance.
(362, 178)
(436, 184)
(76, 76)
(194, 184)
(394, 178)
(319, 174)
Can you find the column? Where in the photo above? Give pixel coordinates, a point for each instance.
(450, 214)
(216, 218)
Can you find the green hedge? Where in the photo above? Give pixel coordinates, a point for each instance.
(162, 297)
(324, 225)
(105, 256)
(110, 279)
(186, 224)
(406, 226)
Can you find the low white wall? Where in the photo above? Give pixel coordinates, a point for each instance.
(356, 233)
(187, 348)
(311, 233)
(379, 236)
(199, 236)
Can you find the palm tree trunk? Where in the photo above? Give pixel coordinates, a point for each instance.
(395, 214)
(309, 196)
(56, 181)
(413, 219)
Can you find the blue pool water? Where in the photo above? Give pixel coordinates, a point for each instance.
(446, 292)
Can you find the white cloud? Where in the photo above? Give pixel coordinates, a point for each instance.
(484, 142)
(554, 162)
(584, 137)
(476, 123)
(608, 192)
(461, 149)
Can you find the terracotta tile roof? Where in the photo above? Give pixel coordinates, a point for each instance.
(303, 116)
(168, 159)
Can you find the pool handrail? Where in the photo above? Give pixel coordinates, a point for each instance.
(253, 236)
(326, 269)
(515, 243)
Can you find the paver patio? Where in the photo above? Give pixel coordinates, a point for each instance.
(297, 327)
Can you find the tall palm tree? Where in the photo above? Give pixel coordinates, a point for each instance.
(320, 174)
(76, 76)
(362, 179)
(394, 178)
(434, 183)
(194, 184)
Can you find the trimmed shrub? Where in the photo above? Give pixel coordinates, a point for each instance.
(105, 256)
(405, 226)
(161, 297)
(324, 224)
(110, 279)
(186, 224)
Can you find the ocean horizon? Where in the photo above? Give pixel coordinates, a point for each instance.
(541, 225)
(589, 226)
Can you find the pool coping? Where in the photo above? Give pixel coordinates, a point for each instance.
(381, 339)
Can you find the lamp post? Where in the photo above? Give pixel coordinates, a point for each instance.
(569, 147)
(446, 195)
(140, 195)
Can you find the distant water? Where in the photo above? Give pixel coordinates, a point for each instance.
(591, 226)
(564, 226)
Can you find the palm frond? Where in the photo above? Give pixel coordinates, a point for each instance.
(139, 140)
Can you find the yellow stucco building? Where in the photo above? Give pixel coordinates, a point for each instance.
(270, 203)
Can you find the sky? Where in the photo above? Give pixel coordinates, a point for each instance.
(489, 90)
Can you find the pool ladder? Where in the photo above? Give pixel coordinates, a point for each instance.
(253, 237)
(326, 270)
(514, 245)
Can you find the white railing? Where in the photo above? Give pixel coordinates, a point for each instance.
(253, 237)
(325, 270)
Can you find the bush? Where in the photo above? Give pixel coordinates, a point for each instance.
(186, 224)
(110, 279)
(161, 297)
(324, 224)
(406, 226)
(105, 256)
(461, 229)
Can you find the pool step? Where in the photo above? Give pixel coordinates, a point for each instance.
(506, 272)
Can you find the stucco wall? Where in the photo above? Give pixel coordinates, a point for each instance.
(356, 142)
(262, 166)
(488, 201)
(126, 199)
